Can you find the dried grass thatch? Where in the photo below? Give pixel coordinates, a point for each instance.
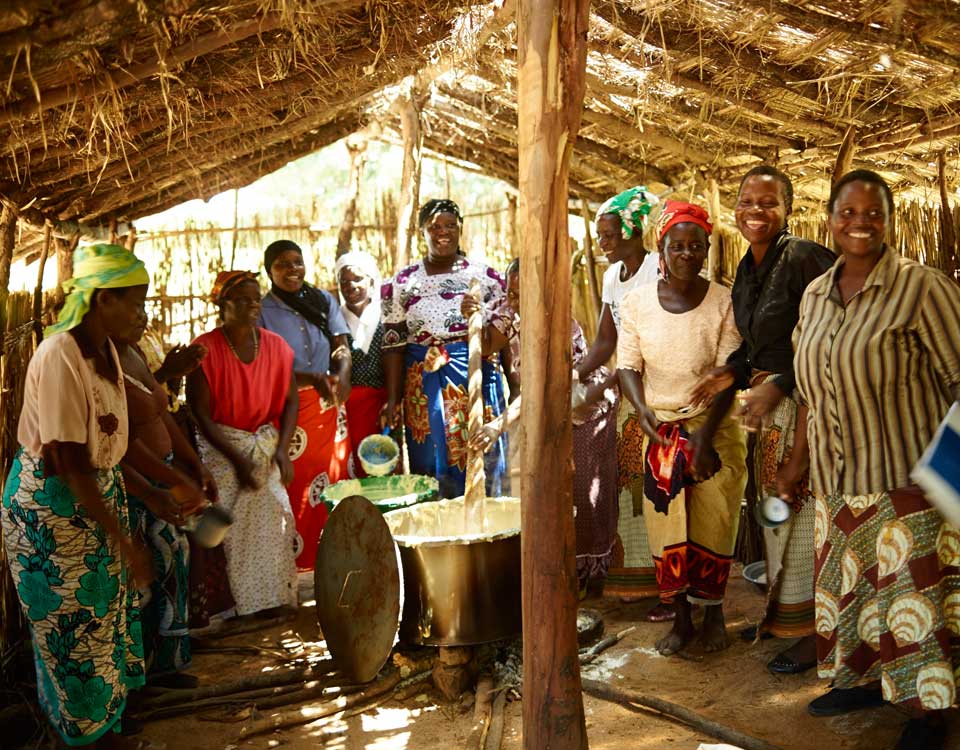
(116, 110)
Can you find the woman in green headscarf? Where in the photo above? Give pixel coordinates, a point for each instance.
(65, 517)
(619, 227)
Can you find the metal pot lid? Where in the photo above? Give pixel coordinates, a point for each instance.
(358, 588)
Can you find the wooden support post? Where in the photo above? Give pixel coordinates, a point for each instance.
(38, 290)
(588, 253)
(235, 236)
(8, 234)
(948, 232)
(715, 255)
(356, 147)
(551, 60)
(512, 225)
(475, 493)
(845, 154)
(410, 179)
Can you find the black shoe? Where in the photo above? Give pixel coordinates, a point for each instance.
(783, 664)
(845, 700)
(749, 634)
(923, 734)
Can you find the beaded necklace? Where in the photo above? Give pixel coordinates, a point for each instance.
(256, 345)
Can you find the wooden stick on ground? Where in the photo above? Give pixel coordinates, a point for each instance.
(712, 728)
(603, 644)
(265, 680)
(495, 728)
(309, 714)
(481, 714)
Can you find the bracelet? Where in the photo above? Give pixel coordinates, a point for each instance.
(340, 351)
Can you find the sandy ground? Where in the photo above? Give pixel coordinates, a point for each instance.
(731, 687)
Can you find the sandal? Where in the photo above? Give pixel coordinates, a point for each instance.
(923, 734)
(845, 700)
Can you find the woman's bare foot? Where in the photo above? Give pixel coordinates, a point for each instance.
(798, 658)
(682, 630)
(714, 634)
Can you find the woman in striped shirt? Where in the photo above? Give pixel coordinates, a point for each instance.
(878, 364)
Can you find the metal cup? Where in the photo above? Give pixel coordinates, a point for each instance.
(772, 512)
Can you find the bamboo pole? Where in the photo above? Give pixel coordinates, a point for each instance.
(715, 255)
(948, 233)
(475, 494)
(38, 290)
(409, 108)
(8, 233)
(588, 254)
(845, 155)
(356, 147)
(551, 59)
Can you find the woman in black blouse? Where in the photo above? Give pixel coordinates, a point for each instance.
(359, 280)
(770, 281)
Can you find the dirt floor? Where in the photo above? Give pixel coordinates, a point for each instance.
(731, 687)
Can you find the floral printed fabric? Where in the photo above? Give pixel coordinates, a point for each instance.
(888, 596)
(420, 308)
(73, 590)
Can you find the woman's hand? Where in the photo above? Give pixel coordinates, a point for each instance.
(207, 483)
(138, 561)
(164, 506)
(343, 390)
(704, 456)
(180, 361)
(714, 382)
(487, 437)
(757, 403)
(285, 465)
(246, 469)
(190, 498)
(788, 478)
(469, 305)
(390, 415)
(648, 423)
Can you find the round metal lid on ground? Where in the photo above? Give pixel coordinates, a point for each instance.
(357, 587)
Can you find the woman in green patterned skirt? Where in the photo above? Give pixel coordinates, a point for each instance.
(65, 517)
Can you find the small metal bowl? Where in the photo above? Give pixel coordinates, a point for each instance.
(756, 573)
(378, 455)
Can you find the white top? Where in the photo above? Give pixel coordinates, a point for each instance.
(614, 290)
(673, 350)
(363, 327)
(65, 400)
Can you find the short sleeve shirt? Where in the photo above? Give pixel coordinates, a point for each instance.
(65, 400)
(311, 348)
(420, 308)
(614, 290)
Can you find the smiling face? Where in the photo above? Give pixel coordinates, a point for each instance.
(684, 249)
(761, 210)
(122, 312)
(610, 238)
(859, 219)
(287, 271)
(513, 291)
(442, 234)
(355, 285)
(241, 306)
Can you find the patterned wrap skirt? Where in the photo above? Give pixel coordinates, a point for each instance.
(788, 547)
(73, 590)
(888, 596)
(164, 607)
(262, 544)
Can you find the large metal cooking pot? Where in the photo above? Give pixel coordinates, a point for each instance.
(461, 586)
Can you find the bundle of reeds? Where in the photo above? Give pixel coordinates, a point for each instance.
(18, 346)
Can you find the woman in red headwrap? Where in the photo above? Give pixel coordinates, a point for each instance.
(694, 458)
(244, 398)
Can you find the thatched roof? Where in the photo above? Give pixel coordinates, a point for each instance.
(118, 109)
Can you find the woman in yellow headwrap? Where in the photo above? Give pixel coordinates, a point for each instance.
(65, 517)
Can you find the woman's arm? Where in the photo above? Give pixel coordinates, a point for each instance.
(790, 474)
(393, 373)
(631, 383)
(341, 366)
(198, 396)
(288, 423)
(184, 453)
(603, 346)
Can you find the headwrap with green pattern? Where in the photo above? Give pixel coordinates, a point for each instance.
(96, 267)
(632, 206)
